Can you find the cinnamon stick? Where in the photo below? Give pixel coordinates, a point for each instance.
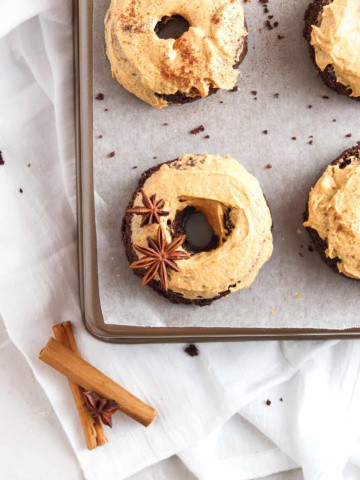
(82, 373)
(93, 430)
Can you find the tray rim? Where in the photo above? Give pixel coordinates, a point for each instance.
(87, 256)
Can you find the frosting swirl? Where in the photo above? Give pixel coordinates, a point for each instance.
(334, 212)
(219, 187)
(337, 42)
(202, 57)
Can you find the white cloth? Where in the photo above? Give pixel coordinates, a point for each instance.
(211, 407)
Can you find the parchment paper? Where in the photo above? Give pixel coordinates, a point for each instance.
(295, 288)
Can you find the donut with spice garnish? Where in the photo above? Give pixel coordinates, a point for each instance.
(155, 235)
(332, 29)
(163, 71)
(332, 216)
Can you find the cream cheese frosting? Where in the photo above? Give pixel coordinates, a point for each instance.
(215, 186)
(334, 212)
(337, 42)
(201, 58)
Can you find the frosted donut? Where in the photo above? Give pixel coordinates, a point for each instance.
(233, 202)
(164, 71)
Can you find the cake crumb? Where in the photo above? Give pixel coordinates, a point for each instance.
(265, 132)
(133, 168)
(2, 162)
(272, 312)
(293, 138)
(234, 89)
(325, 97)
(111, 154)
(100, 96)
(21, 190)
(297, 296)
(268, 402)
(276, 95)
(192, 350)
(349, 135)
(253, 92)
(310, 248)
(268, 166)
(197, 130)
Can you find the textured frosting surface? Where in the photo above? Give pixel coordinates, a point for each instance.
(337, 42)
(334, 212)
(228, 195)
(202, 57)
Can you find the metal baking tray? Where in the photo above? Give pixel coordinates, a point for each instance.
(87, 246)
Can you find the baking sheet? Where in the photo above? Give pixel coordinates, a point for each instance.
(295, 289)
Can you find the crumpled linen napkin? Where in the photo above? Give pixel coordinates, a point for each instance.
(207, 404)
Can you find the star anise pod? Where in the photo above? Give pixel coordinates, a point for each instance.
(152, 209)
(100, 407)
(159, 256)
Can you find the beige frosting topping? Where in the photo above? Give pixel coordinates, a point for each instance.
(202, 57)
(216, 186)
(334, 212)
(337, 42)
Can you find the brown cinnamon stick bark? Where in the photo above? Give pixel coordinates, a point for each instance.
(82, 373)
(93, 431)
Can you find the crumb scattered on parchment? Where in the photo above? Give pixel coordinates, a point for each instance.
(197, 130)
(100, 96)
(268, 166)
(268, 402)
(2, 162)
(272, 311)
(297, 296)
(111, 154)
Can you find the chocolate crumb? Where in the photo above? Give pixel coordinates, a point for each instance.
(281, 399)
(165, 124)
(197, 130)
(276, 24)
(268, 25)
(310, 248)
(234, 89)
(28, 164)
(221, 101)
(106, 109)
(111, 154)
(349, 135)
(133, 168)
(311, 142)
(293, 138)
(268, 402)
(154, 158)
(281, 37)
(325, 97)
(21, 190)
(268, 166)
(334, 119)
(207, 136)
(253, 92)
(100, 96)
(309, 106)
(100, 136)
(276, 95)
(265, 132)
(2, 162)
(192, 350)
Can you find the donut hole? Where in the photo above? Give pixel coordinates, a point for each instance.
(200, 236)
(171, 27)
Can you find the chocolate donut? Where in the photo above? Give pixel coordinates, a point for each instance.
(174, 71)
(332, 216)
(154, 228)
(332, 28)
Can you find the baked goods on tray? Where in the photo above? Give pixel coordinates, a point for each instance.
(332, 28)
(163, 71)
(332, 217)
(155, 236)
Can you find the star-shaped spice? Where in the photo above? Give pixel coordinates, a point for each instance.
(152, 209)
(100, 407)
(159, 256)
